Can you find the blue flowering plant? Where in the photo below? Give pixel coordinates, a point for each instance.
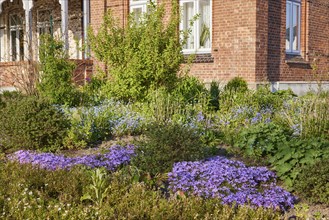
(230, 181)
(114, 158)
(91, 125)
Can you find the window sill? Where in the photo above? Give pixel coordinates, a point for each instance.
(296, 59)
(200, 58)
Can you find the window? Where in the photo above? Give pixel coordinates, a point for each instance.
(199, 39)
(138, 7)
(44, 23)
(16, 37)
(293, 26)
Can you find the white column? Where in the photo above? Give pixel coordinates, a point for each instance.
(27, 6)
(1, 1)
(65, 22)
(86, 21)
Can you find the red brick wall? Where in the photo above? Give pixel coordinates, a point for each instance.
(271, 55)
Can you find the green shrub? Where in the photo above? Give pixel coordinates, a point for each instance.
(142, 56)
(237, 84)
(214, 96)
(89, 125)
(312, 182)
(189, 89)
(32, 123)
(291, 158)
(166, 144)
(7, 96)
(261, 140)
(56, 77)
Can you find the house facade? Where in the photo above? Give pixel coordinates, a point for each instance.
(284, 42)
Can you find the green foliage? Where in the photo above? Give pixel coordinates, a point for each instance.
(261, 140)
(7, 96)
(65, 186)
(27, 192)
(312, 183)
(264, 98)
(237, 84)
(214, 96)
(166, 144)
(97, 190)
(91, 92)
(55, 79)
(189, 90)
(142, 56)
(89, 125)
(292, 157)
(32, 123)
(309, 114)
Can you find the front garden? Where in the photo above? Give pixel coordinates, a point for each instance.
(143, 142)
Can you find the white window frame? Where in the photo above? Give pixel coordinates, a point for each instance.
(196, 29)
(138, 4)
(17, 29)
(291, 48)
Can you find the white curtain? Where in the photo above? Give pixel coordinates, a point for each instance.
(205, 22)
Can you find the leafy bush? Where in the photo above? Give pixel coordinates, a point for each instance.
(32, 123)
(142, 56)
(91, 125)
(7, 96)
(166, 144)
(312, 182)
(237, 84)
(56, 84)
(264, 98)
(261, 140)
(214, 96)
(188, 89)
(63, 185)
(291, 158)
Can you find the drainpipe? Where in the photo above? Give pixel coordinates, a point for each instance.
(306, 31)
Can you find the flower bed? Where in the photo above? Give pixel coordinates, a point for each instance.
(116, 156)
(231, 181)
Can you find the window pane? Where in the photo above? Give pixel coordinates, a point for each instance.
(288, 19)
(188, 13)
(295, 27)
(137, 13)
(204, 24)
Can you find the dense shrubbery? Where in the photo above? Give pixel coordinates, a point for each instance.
(291, 158)
(30, 193)
(32, 123)
(166, 144)
(261, 140)
(56, 77)
(142, 56)
(312, 182)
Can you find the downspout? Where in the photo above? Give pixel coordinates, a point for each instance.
(306, 31)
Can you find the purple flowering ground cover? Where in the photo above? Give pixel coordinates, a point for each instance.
(116, 156)
(231, 181)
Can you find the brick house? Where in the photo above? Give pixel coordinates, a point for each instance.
(276, 41)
